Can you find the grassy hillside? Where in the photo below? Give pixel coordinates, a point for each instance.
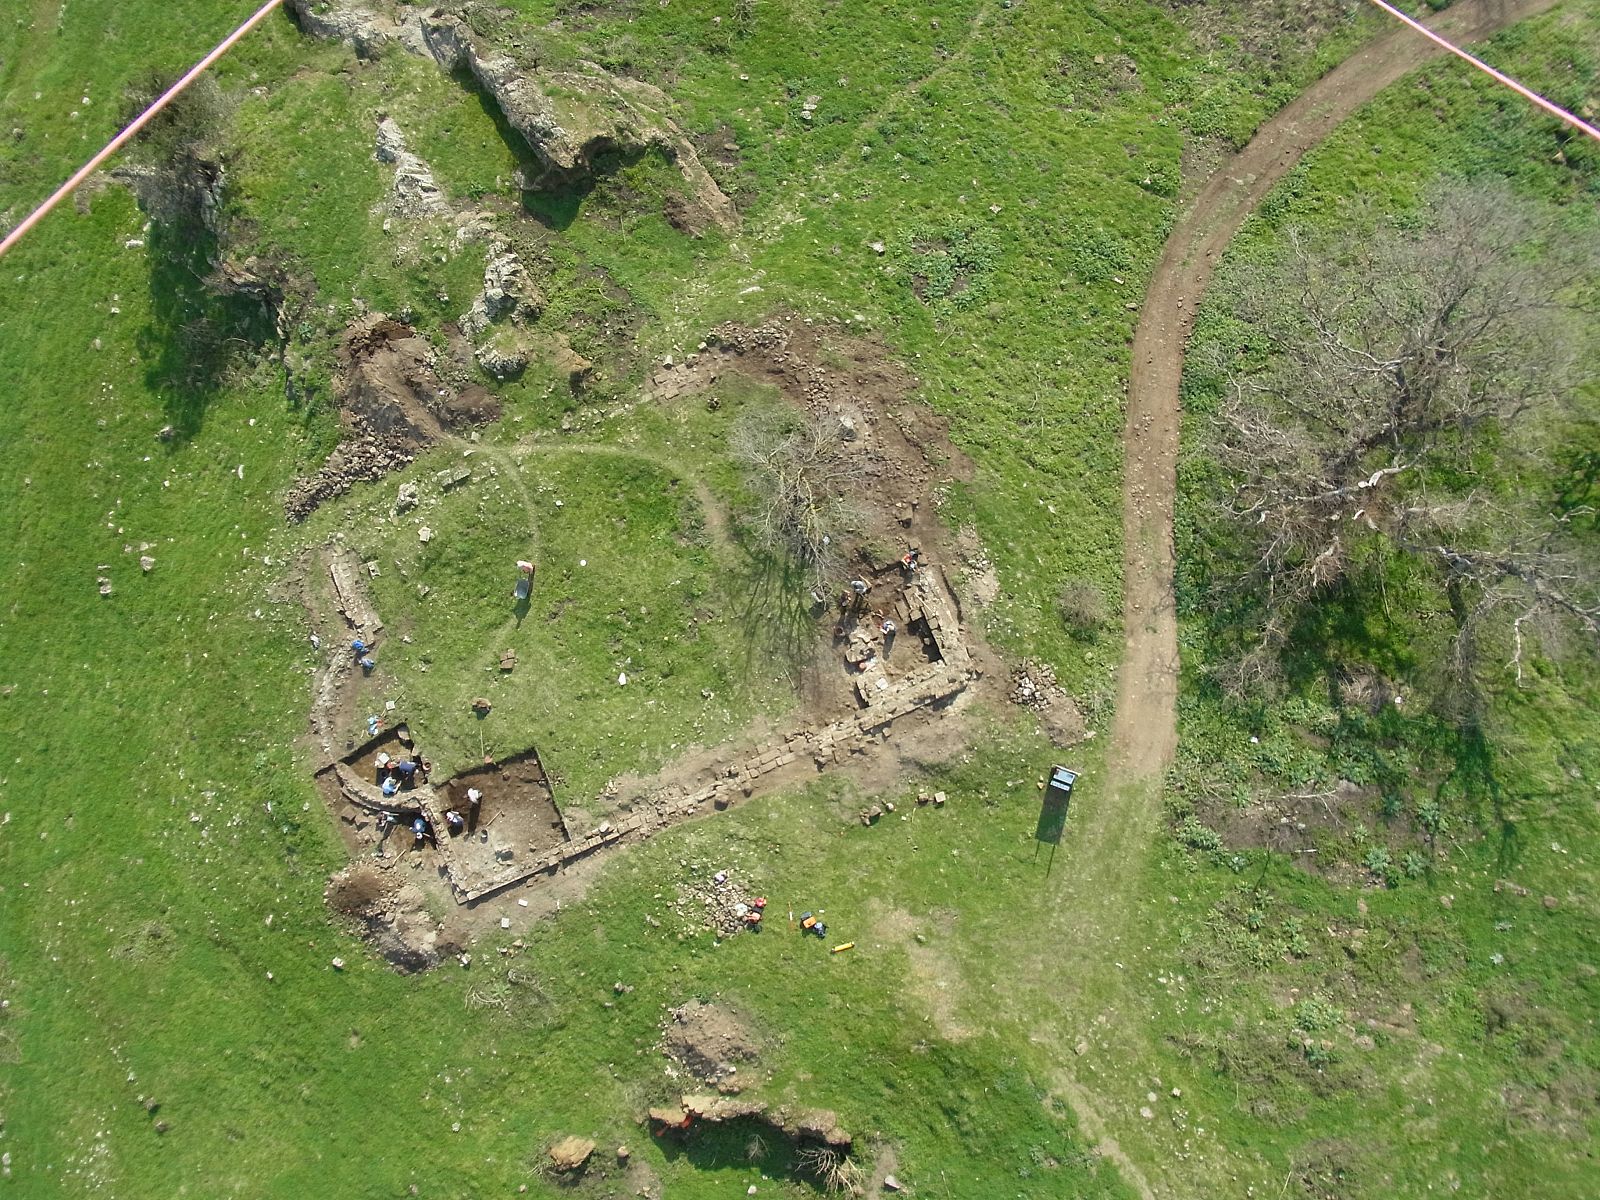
(163, 937)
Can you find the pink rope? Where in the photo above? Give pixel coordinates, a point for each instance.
(1555, 110)
(139, 122)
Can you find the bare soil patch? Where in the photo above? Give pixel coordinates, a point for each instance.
(902, 448)
(709, 1042)
(394, 402)
(517, 806)
(978, 583)
(392, 914)
(935, 978)
(903, 455)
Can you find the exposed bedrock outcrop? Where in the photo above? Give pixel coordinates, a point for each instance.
(568, 118)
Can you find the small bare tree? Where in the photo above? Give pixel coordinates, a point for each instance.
(1402, 387)
(799, 472)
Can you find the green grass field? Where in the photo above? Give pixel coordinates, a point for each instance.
(156, 807)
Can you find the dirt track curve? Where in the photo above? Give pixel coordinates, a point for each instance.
(1144, 736)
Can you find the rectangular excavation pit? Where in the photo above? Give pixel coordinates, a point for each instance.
(363, 760)
(515, 827)
(922, 636)
(516, 824)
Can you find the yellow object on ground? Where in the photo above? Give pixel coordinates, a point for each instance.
(843, 946)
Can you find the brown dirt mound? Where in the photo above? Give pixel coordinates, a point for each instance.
(393, 404)
(358, 889)
(901, 446)
(707, 1040)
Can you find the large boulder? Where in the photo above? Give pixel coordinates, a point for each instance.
(570, 1153)
(363, 28)
(508, 294)
(568, 118)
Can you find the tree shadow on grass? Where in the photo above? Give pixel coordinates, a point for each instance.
(1477, 781)
(195, 332)
(775, 612)
(743, 1145)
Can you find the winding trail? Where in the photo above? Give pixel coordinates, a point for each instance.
(1096, 907)
(1144, 736)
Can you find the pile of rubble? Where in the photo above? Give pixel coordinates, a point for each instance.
(719, 903)
(361, 458)
(1033, 685)
(810, 380)
(394, 403)
(416, 192)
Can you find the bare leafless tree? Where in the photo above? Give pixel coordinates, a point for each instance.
(1398, 384)
(799, 472)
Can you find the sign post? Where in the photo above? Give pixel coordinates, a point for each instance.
(1053, 813)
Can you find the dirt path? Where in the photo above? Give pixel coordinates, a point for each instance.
(719, 526)
(789, 211)
(1094, 906)
(1144, 736)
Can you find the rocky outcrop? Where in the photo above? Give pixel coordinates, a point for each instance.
(816, 1126)
(570, 1153)
(568, 118)
(416, 192)
(363, 29)
(508, 294)
(505, 352)
(497, 323)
